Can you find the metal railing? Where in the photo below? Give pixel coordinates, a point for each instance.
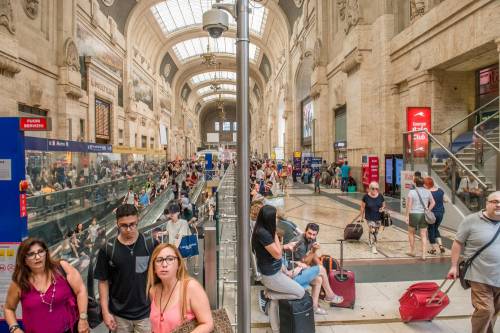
(409, 152)
(472, 114)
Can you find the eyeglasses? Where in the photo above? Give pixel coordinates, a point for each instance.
(131, 226)
(374, 188)
(39, 253)
(495, 202)
(168, 259)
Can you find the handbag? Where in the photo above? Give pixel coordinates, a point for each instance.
(94, 313)
(386, 219)
(464, 265)
(430, 218)
(221, 323)
(188, 246)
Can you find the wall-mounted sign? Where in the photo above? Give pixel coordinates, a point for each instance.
(340, 145)
(418, 118)
(33, 124)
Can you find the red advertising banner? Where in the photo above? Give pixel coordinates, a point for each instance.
(33, 124)
(418, 118)
(374, 167)
(22, 204)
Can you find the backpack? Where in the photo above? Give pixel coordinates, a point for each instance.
(329, 263)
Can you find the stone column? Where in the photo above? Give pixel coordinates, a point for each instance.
(497, 41)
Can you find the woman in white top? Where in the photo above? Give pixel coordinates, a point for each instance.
(415, 215)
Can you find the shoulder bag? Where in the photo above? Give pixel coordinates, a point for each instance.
(430, 218)
(464, 265)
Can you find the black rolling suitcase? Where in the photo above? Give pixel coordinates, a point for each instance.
(297, 316)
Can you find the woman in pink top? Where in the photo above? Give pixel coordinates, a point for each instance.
(175, 296)
(52, 294)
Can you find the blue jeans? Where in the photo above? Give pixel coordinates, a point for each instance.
(343, 184)
(305, 276)
(433, 229)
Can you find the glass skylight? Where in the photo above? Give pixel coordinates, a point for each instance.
(216, 96)
(190, 48)
(223, 87)
(211, 76)
(173, 15)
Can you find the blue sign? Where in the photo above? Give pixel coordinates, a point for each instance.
(41, 144)
(307, 161)
(399, 167)
(388, 170)
(316, 164)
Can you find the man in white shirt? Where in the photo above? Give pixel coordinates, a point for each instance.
(176, 227)
(469, 189)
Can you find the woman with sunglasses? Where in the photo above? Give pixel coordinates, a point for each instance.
(372, 205)
(175, 296)
(52, 294)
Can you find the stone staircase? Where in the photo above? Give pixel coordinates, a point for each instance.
(467, 156)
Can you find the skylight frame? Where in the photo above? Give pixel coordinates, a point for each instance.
(223, 87)
(215, 96)
(176, 15)
(191, 48)
(211, 76)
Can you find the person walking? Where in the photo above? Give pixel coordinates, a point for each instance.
(122, 273)
(474, 232)
(268, 252)
(419, 200)
(52, 294)
(345, 170)
(372, 205)
(438, 210)
(175, 296)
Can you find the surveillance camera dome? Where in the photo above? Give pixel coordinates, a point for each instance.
(215, 21)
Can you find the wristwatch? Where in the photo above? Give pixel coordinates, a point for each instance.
(84, 316)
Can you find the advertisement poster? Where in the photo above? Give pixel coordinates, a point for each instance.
(374, 166)
(297, 163)
(316, 164)
(388, 170)
(418, 118)
(406, 186)
(307, 161)
(399, 168)
(7, 264)
(307, 119)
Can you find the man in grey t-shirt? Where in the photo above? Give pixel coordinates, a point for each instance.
(475, 231)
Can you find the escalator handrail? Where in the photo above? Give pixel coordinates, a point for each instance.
(476, 133)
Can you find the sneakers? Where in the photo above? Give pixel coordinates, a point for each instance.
(374, 249)
(320, 311)
(263, 302)
(336, 299)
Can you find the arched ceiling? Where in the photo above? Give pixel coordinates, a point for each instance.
(177, 24)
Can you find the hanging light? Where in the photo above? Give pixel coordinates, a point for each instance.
(209, 57)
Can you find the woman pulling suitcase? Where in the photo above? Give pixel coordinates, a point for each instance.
(268, 252)
(372, 205)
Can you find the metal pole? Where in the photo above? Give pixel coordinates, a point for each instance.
(429, 153)
(412, 164)
(243, 172)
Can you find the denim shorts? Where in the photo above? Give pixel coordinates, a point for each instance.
(306, 276)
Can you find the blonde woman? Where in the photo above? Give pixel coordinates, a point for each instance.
(175, 296)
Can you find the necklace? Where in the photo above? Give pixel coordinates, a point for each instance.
(42, 295)
(168, 300)
(131, 249)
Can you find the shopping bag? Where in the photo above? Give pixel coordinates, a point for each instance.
(189, 246)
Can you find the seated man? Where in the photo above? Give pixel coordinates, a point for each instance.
(469, 189)
(304, 254)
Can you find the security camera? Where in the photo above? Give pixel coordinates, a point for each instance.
(215, 21)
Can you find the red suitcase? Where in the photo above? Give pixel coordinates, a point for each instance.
(423, 301)
(343, 282)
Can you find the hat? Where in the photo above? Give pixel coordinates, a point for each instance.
(174, 208)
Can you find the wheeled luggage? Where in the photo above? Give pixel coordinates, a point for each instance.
(353, 231)
(297, 315)
(423, 301)
(343, 283)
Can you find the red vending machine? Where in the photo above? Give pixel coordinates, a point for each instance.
(370, 169)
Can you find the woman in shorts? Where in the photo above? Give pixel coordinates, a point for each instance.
(372, 205)
(419, 199)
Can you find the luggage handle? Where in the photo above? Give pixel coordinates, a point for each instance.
(431, 299)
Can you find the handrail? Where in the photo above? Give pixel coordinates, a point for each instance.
(476, 133)
(450, 154)
(468, 116)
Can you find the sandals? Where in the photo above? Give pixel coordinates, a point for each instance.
(442, 249)
(336, 299)
(432, 251)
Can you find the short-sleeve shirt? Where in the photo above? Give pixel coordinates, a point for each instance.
(345, 171)
(267, 264)
(474, 232)
(177, 230)
(416, 206)
(372, 207)
(126, 272)
(303, 246)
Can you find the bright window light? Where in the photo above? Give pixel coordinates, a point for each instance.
(195, 47)
(211, 76)
(223, 87)
(173, 15)
(216, 96)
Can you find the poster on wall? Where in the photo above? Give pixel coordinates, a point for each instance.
(163, 135)
(316, 164)
(418, 118)
(297, 163)
(307, 119)
(143, 91)
(279, 153)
